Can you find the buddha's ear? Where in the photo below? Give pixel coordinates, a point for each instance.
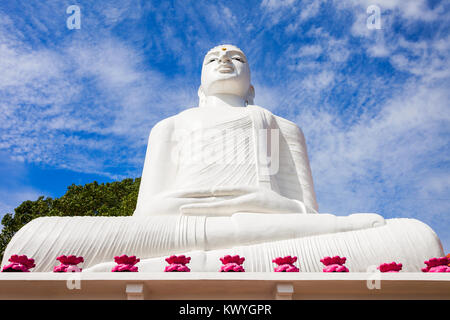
(250, 95)
(201, 97)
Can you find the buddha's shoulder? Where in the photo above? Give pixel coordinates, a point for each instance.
(282, 122)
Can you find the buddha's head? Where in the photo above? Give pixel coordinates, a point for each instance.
(225, 70)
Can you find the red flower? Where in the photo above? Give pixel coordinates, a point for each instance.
(284, 260)
(287, 268)
(437, 265)
(124, 259)
(434, 262)
(232, 259)
(177, 267)
(390, 267)
(70, 260)
(285, 264)
(335, 268)
(125, 263)
(178, 260)
(125, 268)
(232, 267)
(333, 260)
(19, 264)
(177, 264)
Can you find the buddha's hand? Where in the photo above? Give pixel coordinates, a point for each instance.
(225, 201)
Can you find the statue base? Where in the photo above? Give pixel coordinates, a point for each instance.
(224, 286)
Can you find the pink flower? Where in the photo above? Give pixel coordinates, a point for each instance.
(68, 264)
(232, 267)
(19, 264)
(232, 259)
(125, 268)
(390, 267)
(437, 265)
(70, 260)
(437, 269)
(124, 259)
(232, 264)
(334, 264)
(285, 264)
(434, 262)
(333, 260)
(177, 267)
(125, 263)
(177, 264)
(284, 260)
(335, 268)
(178, 260)
(286, 268)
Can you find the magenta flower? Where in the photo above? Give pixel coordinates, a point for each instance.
(390, 267)
(232, 259)
(232, 264)
(284, 260)
(19, 264)
(437, 265)
(177, 264)
(68, 264)
(333, 260)
(125, 263)
(334, 264)
(335, 268)
(176, 267)
(285, 264)
(71, 259)
(232, 267)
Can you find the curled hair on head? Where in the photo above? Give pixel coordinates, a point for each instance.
(249, 97)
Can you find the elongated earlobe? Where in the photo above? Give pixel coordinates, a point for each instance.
(250, 95)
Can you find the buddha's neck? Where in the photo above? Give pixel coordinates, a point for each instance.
(224, 100)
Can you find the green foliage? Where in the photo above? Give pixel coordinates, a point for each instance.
(111, 199)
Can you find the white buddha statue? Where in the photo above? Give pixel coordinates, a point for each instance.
(227, 177)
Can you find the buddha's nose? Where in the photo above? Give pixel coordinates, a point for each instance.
(224, 58)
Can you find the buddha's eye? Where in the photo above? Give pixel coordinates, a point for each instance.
(211, 60)
(238, 58)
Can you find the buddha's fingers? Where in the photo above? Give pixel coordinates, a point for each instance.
(212, 192)
(218, 208)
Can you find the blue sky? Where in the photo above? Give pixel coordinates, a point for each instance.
(77, 105)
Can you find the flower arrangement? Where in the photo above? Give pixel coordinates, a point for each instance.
(125, 263)
(19, 264)
(437, 265)
(334, 264)
(177, 264)
(390, 267)
(285, 264)
(68, 264)
(232, 264)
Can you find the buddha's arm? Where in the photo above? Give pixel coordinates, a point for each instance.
(297, 146)
(159, 168)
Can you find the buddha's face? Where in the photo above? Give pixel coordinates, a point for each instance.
(225, 71)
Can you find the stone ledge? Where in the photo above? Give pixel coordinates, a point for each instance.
(233, 286)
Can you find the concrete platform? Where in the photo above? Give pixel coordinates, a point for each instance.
(229, 286)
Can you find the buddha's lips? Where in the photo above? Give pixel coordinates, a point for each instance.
(225, 69)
